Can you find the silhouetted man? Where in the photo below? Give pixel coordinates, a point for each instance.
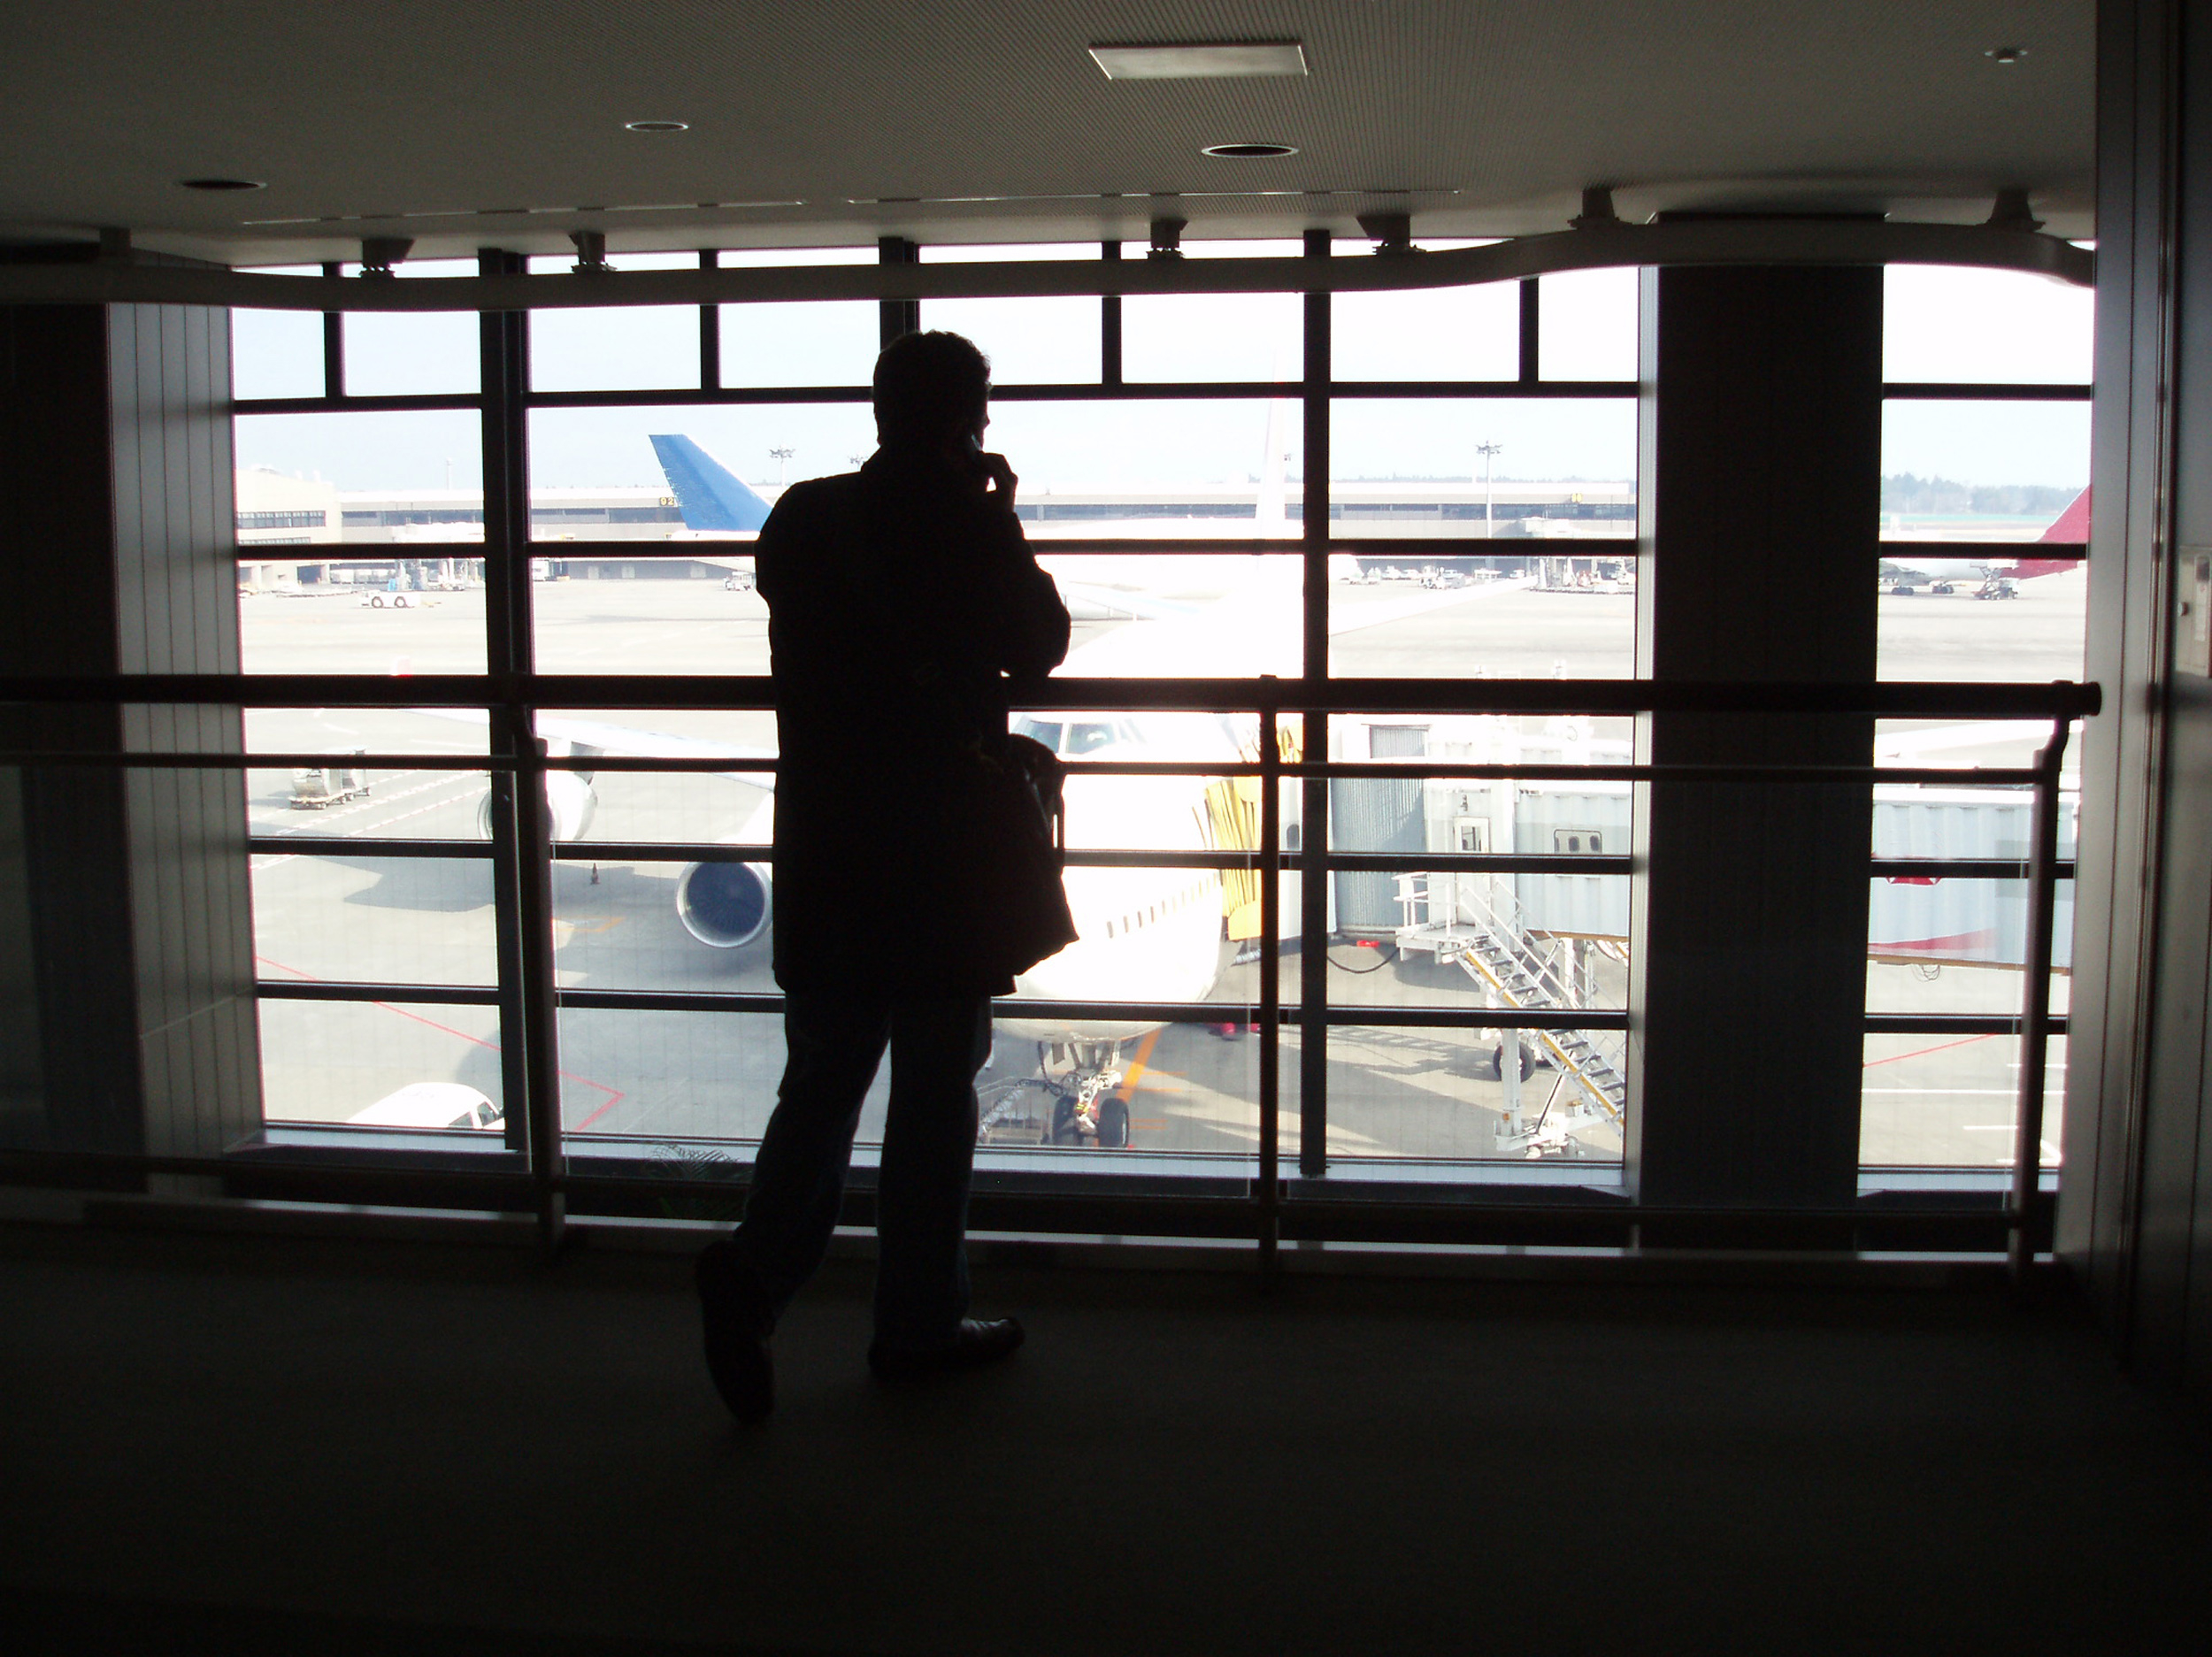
(900, 596)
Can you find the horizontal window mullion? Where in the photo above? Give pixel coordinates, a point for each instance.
(415, 402)
(1518, 389)
(1984, 391)
(352, 990)
(1951, 1024)
(1993, 551)
(363, 846)
(1962, 868)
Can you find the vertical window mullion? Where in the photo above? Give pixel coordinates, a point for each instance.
(1313, 841)
(334, 343)
(1531, 335)
(1110, 324)
(899, 316)
(709, 331)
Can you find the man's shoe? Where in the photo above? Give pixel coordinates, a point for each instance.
(737, 1323)
(978, 1341)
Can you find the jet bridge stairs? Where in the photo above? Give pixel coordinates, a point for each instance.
(1477, 922)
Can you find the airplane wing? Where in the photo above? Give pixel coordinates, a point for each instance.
(595, 736)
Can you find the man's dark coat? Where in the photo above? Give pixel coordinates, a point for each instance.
(899, 597)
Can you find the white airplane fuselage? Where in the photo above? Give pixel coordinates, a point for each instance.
(1143, 934)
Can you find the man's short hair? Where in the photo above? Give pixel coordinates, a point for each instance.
(929, 386)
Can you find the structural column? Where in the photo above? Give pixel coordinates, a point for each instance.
(129, 948)
(1758, 499)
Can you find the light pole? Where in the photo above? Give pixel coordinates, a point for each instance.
(779, 455)
(1489, 453)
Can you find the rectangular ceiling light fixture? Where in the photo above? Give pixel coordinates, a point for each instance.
(1204, 60)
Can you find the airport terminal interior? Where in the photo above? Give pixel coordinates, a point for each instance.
(1634, 1068)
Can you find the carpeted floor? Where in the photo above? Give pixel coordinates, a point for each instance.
(246, 1444)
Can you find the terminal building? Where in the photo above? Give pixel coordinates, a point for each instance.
(1643, 1078)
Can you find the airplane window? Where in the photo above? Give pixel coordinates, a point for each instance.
(1039, 731)
(1085, 739)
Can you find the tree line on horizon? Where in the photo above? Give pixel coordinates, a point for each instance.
(1908, 492)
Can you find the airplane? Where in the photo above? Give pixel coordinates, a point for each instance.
(1995, 577)
(711, 497)
(1144, 934)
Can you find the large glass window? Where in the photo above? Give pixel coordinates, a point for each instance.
(1470, 536)
(617, 348)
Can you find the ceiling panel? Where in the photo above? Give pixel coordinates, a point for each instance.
(468, 123)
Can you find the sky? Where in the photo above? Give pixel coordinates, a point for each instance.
(1940, 324)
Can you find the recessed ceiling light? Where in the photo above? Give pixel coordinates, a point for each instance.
(657, 127)
(1249, 152)
(222, 184)
(1201, 60)
(2006, 54)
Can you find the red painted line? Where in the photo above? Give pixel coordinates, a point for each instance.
(615, 1095)
(1963, 1041)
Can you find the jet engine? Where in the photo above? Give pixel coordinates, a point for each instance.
(723, 905)
(570, 802)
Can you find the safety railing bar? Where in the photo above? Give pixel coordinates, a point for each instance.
(1179, 544)
(1348, 861)
(1985, 776)
(552, 692)
(739, 765)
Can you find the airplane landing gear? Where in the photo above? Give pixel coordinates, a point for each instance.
(1070, 1102)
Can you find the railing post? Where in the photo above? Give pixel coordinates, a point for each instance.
(2035, 1014)
(1269, 1213)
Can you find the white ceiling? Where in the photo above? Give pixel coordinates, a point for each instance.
(839, 121)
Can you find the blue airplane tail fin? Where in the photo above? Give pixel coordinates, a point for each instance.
(708, 494)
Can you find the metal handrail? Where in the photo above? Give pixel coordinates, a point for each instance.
(519, 772)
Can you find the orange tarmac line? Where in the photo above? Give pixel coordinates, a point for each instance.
(1136, 1066)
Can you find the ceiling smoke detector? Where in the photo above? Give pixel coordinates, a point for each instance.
(1200, 60)
(1249, 152)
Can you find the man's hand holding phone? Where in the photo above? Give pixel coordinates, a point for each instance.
(997, 476)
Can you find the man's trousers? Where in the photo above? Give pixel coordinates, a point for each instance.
(834, 1043)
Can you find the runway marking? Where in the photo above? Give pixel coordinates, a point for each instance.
(1919, 1053)
(615, 1095)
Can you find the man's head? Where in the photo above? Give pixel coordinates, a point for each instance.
(930, 390)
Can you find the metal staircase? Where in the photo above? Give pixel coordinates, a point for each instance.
(1478, 921)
